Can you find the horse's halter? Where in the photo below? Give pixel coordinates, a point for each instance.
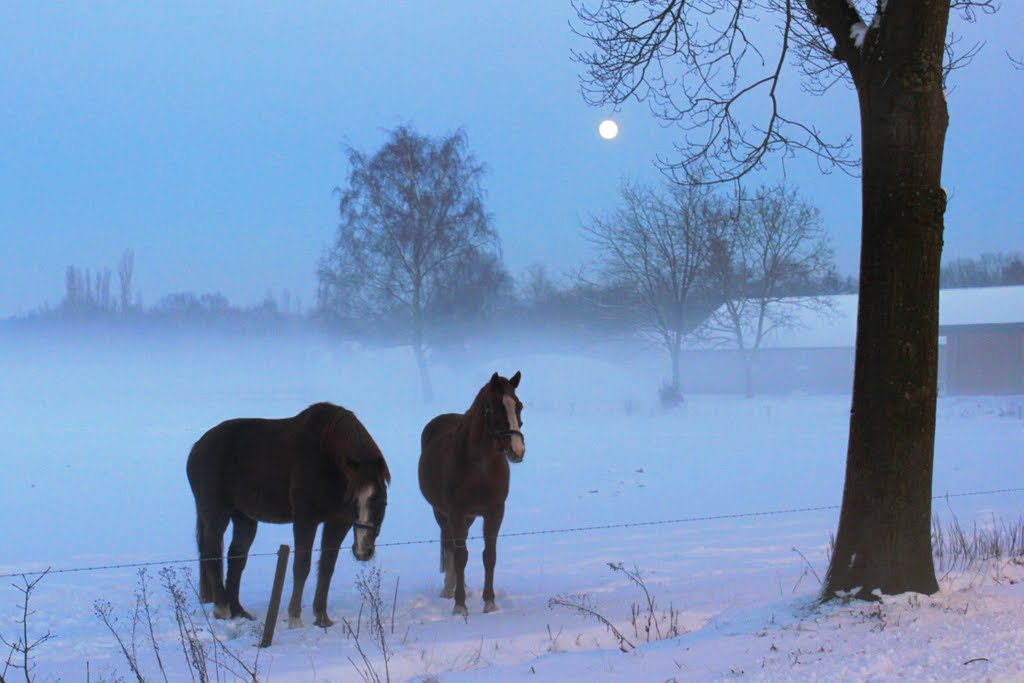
(500, 433)
(375, 528)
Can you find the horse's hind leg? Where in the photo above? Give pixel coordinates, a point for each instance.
(447, 556)
(492, 524)
(243, 532)
(210, 539)
(458, 529)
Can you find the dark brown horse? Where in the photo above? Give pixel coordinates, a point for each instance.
(464, 474)
(319, 466)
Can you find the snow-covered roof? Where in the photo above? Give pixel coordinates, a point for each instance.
(837, 327)
(981, 306)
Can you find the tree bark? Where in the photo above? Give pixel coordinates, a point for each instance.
(675, 352)
(418, 349)
(426, 385)
(748, 373)
(883, 541)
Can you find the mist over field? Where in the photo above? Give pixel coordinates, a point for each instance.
(97, 426)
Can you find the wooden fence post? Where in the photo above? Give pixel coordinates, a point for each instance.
(275, 596)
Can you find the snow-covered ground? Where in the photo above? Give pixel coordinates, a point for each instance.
(95, 437)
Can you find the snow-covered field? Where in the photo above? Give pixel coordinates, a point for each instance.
(95, 435)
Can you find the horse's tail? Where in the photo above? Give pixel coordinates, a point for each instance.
(192, 472)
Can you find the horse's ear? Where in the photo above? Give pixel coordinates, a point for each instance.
(515, 379)
(495, 380)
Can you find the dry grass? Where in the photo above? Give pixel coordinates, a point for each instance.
(957, 548)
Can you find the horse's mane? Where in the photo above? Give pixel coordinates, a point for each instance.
(477, 406)
(326, 418)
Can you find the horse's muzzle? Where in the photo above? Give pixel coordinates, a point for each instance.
(364, 536)
(508, 447)
(511, 454)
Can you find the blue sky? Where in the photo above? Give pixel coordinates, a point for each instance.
(209, 137)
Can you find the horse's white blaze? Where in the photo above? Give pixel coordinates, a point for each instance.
(362, 535)
(518, 447)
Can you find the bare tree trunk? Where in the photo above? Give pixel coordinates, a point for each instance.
(675, 352)
(419, 351)
(125, 270)
(884, 536)
(748, 374)
(426, 385)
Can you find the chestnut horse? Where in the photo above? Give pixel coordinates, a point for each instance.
(319, 466)
(464, 474)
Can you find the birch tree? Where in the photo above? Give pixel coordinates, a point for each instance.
(412, 215)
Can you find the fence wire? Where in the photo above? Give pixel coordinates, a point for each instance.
(514, 534)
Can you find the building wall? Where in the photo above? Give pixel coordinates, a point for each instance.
(972, 360)
(781, 371)
(987, 360)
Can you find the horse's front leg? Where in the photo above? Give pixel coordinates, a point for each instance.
(458, 530)
(304, 531)
(492, 524)
(330, 543)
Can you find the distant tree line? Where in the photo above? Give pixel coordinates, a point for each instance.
(88, 294)
(95, 297)
(987, 270)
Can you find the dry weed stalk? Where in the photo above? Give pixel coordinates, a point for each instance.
(20, 652)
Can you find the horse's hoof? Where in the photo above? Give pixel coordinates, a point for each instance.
(241, 613)
(221, 612)
(294, 622)
(460, 610)
(448, 593)
(489, 607)
(323, 621)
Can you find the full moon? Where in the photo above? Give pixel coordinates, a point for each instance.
(608, 129)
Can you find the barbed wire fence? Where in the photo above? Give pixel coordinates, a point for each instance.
(513, 534)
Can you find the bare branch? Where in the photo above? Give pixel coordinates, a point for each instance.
(969, 9)
(957, 59)
(694, 64)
